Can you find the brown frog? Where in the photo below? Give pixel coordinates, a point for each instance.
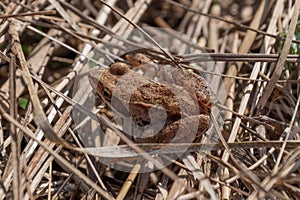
(163, 102)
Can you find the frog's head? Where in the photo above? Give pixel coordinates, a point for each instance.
(104, 81)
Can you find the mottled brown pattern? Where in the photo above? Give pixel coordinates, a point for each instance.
(181, 95)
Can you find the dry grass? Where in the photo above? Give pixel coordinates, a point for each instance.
(49, 47)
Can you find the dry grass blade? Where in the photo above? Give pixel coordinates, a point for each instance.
(15, 156)
(40, 117)
(57, 156)
(235, 23)
(129, 181)
(282, 58)
(50, 12)
(229, 83)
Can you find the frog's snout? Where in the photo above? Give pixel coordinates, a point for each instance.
(94, 77)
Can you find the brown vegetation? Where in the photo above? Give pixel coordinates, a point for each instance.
(48, 48)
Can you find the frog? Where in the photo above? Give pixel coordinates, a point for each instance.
(163, 102)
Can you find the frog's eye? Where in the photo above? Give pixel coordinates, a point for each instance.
(106, 93)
